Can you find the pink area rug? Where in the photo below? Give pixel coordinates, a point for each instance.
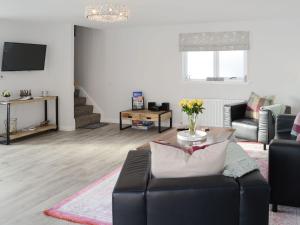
(93, 205)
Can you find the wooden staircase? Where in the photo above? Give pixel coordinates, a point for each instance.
(83, 113)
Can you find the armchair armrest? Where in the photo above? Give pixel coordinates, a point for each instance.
(284, 164)
(266, 126)
(233, 112)
(128, 198)
(254, 200)
(284, 123)
(178, 201)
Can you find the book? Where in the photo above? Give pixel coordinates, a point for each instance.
(137, 100)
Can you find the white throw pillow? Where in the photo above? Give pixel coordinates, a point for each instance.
(171, 162)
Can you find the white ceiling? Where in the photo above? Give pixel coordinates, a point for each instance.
(153, 12)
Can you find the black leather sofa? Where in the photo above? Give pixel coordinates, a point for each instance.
(261, 130)
(284, 165)
(140, 199)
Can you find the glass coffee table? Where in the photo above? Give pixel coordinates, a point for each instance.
(214, 135)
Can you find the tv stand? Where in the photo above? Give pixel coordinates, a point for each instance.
(8, 136)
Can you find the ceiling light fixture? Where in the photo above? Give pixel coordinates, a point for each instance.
(107, 13)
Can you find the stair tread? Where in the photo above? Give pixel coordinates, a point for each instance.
(88, 115)
(82, 106)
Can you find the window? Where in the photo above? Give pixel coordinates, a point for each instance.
(215, 65)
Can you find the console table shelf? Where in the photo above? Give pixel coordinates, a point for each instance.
(24, 133)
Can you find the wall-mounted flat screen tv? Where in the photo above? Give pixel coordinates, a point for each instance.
(23, 57)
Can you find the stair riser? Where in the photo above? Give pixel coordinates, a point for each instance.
(79, 101)
(83, 110)
(87, 120)
(76, 93)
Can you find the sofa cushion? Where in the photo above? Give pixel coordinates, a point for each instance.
(238, 162)
(246, 128)
(296, 126)
(285, 136)
(171, 162)
(254, 104)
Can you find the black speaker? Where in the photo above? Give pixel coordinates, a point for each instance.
(165, 106)
(152, 105)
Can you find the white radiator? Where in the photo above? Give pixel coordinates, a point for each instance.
(213, 113)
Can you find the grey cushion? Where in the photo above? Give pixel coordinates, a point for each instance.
(246, 128)
(238, 162)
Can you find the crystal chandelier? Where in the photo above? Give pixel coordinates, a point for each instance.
(108, 13)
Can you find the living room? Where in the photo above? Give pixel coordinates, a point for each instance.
(197, 75)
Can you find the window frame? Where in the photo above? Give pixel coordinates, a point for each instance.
(216, 63)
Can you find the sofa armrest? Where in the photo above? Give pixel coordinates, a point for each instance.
(284, 167)
(284, 123)
(233, 112)
(266, 126)
(254, 199)
(128, 198)
(178, 201)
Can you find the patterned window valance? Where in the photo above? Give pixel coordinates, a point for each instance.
(214, 41)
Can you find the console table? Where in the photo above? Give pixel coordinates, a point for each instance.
(147, 115)
(23, 133)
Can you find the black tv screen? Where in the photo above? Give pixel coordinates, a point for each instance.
(23, 57)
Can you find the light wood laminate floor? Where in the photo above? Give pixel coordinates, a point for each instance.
(38, 172)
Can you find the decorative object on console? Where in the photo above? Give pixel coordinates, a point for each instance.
(296, 127)
(25, 94)
(6, 94)
(165, 106)
(138, 101)
(298, 138)
(192, 108)
(44, 93)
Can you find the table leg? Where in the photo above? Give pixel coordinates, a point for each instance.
(8, 124)
(121, 123)
(46, 109)
(56, 113)
(160, 130)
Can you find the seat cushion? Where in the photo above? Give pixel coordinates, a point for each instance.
(285, 136)
(246, 129)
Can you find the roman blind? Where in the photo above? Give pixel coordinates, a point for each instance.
(214, 41)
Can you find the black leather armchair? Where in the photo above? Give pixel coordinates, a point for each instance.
(284, 165)
(261, 130)
(140, 199)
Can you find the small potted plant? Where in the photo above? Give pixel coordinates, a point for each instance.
(6, 94)
(192, 107)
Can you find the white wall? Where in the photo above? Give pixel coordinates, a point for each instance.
(113, 63)
(57, 78)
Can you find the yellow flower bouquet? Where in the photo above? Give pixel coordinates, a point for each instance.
(192, 107)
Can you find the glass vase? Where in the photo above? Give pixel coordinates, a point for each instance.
(192, 123)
